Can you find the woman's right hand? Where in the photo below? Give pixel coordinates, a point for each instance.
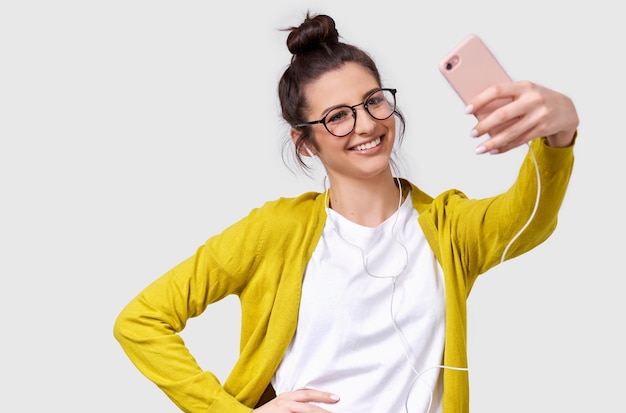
(298, 402)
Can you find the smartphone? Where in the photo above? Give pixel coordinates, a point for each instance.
(470, 68)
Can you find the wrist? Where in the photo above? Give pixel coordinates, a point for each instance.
(561, 139)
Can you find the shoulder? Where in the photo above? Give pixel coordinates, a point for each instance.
(289, 213)
(425, 203)
(290, 206)
(287, 222)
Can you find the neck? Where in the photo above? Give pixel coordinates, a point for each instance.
(365, 202)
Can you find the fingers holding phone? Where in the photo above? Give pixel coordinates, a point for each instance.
(533, 111)
(510, 113)
(506, 124)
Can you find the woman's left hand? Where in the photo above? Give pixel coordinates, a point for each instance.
(533, 111)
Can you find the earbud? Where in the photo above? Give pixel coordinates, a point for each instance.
(308, 150)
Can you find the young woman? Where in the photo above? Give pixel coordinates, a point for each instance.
(354, 299)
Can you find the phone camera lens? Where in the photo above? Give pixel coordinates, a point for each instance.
(452, 62)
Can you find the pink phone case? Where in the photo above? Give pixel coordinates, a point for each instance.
(470, 68)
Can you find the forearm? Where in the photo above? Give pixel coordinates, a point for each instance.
(147, 329)
(551, 172)
(159, 353)
(487, 230)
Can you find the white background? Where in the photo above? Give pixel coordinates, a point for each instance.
(131, 131)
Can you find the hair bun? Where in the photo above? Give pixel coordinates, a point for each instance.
(313, 33)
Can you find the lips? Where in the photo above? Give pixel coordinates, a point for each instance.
(368, 145)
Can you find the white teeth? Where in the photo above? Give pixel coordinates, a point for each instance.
(368, 145)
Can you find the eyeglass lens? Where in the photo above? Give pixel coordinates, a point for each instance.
(341, 120)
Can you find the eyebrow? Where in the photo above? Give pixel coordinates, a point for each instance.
(366, 94)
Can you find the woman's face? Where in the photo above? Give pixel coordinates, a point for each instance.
(363, 153)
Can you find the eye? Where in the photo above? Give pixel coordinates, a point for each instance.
(375, 99)
(338, 115)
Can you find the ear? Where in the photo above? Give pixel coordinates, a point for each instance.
(305, 150)
(295, 134)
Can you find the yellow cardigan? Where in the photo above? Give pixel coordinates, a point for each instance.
(262, 259)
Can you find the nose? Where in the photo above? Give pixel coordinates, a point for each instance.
(364, 122)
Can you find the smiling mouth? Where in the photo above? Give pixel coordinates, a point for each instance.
(368, 145)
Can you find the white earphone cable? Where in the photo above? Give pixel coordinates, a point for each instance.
(405, 345)
(532, 214)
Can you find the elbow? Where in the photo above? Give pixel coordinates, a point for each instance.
(122, 327)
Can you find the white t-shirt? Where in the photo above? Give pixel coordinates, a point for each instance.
(348, 339)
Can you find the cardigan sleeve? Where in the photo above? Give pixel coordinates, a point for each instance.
(469, 236)
(147, 328)
(487, 231)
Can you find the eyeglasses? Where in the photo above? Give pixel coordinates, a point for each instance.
(340, 120)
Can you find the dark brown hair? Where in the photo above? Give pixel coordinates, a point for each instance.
(315, 49)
